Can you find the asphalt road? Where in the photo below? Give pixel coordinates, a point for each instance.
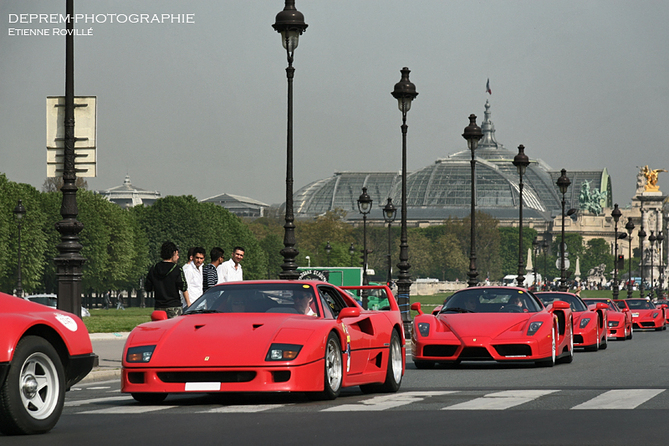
(611, 397)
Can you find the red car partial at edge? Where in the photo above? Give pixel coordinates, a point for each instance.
(256, 336)
(501, 324)
(589, 323)
(43, 352)
(619, 320)
(645, 315)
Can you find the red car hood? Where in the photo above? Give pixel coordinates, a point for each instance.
(486, 324)
(219, 340)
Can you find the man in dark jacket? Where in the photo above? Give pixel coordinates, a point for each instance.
(167, 280)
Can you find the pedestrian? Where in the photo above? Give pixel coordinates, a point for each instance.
(209, 272)
(193, 273)
(231, 271)
(166, 279)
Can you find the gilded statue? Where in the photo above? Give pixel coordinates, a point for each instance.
(651, 179)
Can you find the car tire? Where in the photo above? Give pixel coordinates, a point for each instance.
(33, 394)
(570, 358)
(604, 343)
(394, 370)
(149, 397)
(333, 368)
(550, 362)
(631, 333)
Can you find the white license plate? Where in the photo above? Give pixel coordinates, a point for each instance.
(635, 314)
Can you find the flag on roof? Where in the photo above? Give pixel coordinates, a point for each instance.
(487, 87)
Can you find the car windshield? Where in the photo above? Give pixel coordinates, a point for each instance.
(293, 298)
(491, 300)
(612, 305)
(574, 302)
(640, 304)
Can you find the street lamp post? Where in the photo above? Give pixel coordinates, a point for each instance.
(616, 217)
(642, 235)
(389, 214)
(652, 240)
(535, 248)
(563, 184)
(364, 206)
(328, 250)
(19, 212)
(660, 244)
(472, 134)
(544, 247)
(405, 92)
(351, 251)
(629, 227)
(290, 23)
(521, 161)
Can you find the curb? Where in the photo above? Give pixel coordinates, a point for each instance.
(101, 375)
(108, 336)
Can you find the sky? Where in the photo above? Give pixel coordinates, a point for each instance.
(200, 108)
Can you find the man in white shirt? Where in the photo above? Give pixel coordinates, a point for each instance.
(231, 271)
(193, 274)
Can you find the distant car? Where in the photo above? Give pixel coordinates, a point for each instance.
(619, 320)
(589, 323)
(254, 336)
(51, 300)
(493, 323)
(43, 352)
(645, 316)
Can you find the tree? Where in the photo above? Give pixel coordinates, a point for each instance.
(53, 184)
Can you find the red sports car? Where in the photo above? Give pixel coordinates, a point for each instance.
(493, 324)
(619, 320)
(43, 352)
(589, 323)
(645, 315)
(268, 336)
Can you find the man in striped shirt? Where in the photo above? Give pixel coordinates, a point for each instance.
(209, 274)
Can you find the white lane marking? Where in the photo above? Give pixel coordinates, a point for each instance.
(620, 399)
(387, 401)
(500, 400)
(98, 400)
(98, 388)
(127, 410)
(251, 408)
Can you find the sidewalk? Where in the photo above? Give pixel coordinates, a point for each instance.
(109, 348)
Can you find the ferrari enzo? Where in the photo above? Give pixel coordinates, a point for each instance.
(43, 352)
(269, 336)
(619, 320)
(493, 324)
(589, 323)
(645, 315)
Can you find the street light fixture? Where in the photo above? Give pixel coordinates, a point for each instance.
(535, 249)
(364, 206)
(290, 23)
(351, 251)
(642, 235)
(328, 250)
(652, 240)
(660, 240)
(389, 214)
(472, 134)
(544, 247)
(19, 213)
(404, 92)
(563, 184)
(308, 261)
(629, 227)
(521, 161)
(616, 217)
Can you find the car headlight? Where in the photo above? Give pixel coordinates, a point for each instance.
(534, 327)
(423, 328)
(283, 352)
(140, 354)
(613, 323)
(655, 314)
(584, 322)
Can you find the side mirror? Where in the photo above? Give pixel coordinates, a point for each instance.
(601, 306)
(561, 305)
(159, 315)
(416, 307)
(348, 312)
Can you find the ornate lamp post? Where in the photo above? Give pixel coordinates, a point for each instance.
(405, 92)
(328, 250)
(544, 247)
(19, 213)
(616, 217)
(629, 227)
(535, 248)
(563, 184)
(389, 214)
(351, 251)
(652, 240)
(521, 161)
(290, 23)
(660, 244)
(642, 235)
(364, 206)
(472, 134)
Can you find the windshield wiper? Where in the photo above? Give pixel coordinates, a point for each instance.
(458, 310)
(204, 310)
